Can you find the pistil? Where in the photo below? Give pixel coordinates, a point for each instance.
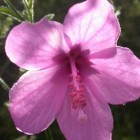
(78, 100)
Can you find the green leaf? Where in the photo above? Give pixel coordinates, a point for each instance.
(13, 8)
(9, 12)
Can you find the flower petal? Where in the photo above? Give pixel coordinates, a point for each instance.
(33, 46)
(117, 79)
(98, 125)
(36, 99)
(92, 24)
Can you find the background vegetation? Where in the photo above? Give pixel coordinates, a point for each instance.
(126, 117)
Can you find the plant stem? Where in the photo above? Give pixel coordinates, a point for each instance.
(29, 7)
(28, 10)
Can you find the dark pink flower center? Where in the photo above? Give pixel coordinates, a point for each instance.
(75, 60)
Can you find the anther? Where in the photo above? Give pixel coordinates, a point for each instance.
(78, 78)
(84, 104)
(81, 94)
(72, 94)
(71, 85)
(80, 90)
(74, 105)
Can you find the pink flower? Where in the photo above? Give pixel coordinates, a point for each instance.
(75, 70)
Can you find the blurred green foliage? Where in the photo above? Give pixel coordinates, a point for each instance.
(126, 117)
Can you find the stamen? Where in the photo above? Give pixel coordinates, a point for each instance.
(77, 94)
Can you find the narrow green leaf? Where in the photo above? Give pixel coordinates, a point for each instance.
(13, 8)
(3, 84)
(9, 12)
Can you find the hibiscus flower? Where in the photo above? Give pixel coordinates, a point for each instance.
(75, 70)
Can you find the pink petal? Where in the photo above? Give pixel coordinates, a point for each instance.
(98, 125)
(105, 53)
(117, 79)
(92, 24)
(33, 46)
(36, 99)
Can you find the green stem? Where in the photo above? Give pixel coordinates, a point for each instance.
(28, 10)
(32, 10)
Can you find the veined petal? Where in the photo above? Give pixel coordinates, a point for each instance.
(92, 24)
(33, 46)
(36, 99)
(117, 79)
(98, 125)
